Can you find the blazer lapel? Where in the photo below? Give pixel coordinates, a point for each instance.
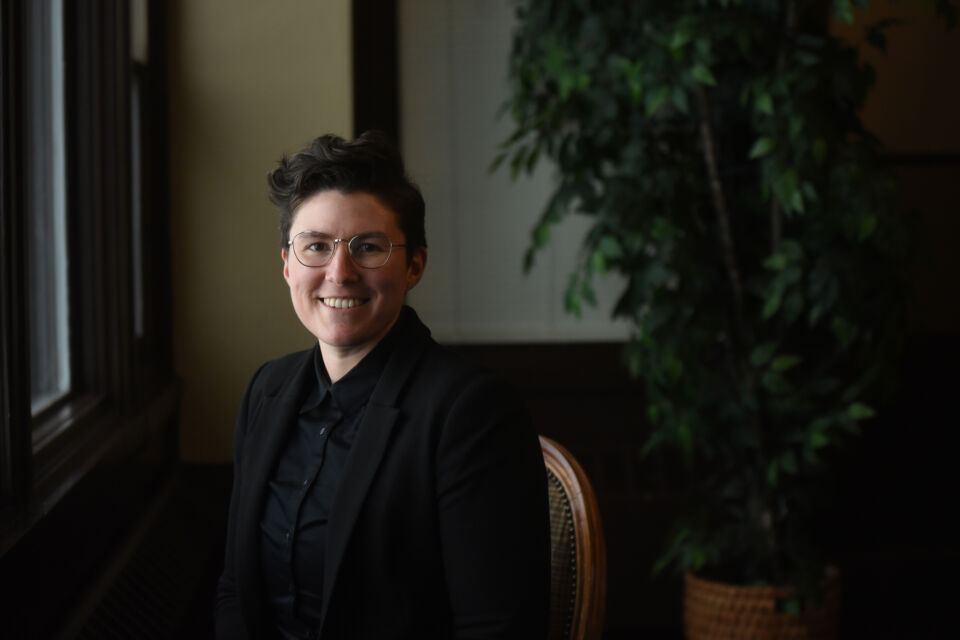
(369, 447)
(276, 414)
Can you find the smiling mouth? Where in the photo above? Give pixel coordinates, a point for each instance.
(344, 303)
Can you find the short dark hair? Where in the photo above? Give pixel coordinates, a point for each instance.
(370, 164)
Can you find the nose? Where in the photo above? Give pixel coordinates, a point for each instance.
(341, 269)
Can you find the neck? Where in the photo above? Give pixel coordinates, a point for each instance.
(339, 361)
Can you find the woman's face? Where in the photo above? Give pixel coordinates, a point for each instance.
(348, 308)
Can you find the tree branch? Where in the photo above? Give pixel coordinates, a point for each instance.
(720, 209)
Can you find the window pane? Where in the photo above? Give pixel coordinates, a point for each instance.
(136, 213)
(47, 233)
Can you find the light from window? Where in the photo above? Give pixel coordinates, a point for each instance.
(46, 200)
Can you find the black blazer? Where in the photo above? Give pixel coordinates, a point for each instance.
(440, 526)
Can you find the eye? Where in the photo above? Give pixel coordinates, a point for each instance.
(370, 245)
(314, 243)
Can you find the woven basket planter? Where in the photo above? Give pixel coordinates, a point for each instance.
(715, 610)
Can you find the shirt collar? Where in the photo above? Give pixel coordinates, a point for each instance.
(355, 388)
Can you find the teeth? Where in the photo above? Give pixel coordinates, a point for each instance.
(342, 303)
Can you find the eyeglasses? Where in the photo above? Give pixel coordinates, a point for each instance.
(368, 250)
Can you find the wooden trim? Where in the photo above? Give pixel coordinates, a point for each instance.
(376, 94)
(591, 597)
(15, 462)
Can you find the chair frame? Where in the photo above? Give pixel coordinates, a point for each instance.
(591, 591)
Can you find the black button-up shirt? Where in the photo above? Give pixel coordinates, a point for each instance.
(302, 489)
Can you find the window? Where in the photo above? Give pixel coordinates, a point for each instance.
(84, 335)
(46, 200)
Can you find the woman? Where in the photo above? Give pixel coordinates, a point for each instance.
(383, 487)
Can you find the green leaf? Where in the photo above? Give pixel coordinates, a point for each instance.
(571, 299)
(598, 262)
(796, 126)
(788, 462)
(796, 201)
(793, 306)
(680, 99)
(653, 413)
(860, 411)
(541, 235)
(868, 224)
(843, 9)
(787, 187)
(772, 305)
(761, 147)
(588, 294)
(696, 558)
(516, 163)
(764, 104)
(610, 247)
(843, 330)
(657, 99)
(702, 74)
(774, 382)
(776, 261)
(792, 249)
(792, 274)
(785, 362)
(679, 39)
(567, 83)
(761, 354)
(818, 440)
(773, 472)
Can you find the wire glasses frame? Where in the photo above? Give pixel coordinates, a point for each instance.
(367, 250)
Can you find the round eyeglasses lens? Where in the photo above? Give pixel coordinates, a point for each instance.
(370, 250)
(313, 249)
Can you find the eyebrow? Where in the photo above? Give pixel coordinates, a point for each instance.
(324, 233)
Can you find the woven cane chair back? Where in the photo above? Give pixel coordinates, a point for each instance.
(577, 549)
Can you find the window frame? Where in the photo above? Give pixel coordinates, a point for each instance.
(123, 388)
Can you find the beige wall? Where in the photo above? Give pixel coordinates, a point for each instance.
(248, 80)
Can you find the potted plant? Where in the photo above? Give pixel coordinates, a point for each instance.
(717, 147)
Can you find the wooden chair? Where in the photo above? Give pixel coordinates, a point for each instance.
(578, 580)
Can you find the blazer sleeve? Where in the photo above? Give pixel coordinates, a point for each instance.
(494, 522)
(228, 613)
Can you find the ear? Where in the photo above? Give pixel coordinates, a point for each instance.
(418, 262)
(286, 267)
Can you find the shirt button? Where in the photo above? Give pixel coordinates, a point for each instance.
(323, 430)
(305, 483)
(286, 537)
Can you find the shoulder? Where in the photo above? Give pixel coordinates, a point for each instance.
(447, 380)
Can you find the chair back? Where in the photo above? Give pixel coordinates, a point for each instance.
(578, 578)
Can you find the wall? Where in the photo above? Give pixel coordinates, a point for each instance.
(913, 111)
(248, 81)
(889, 529)
(454, 57)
